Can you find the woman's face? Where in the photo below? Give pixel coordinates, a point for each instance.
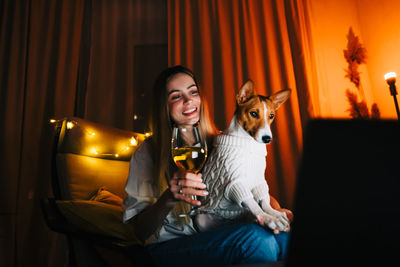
(183, 100)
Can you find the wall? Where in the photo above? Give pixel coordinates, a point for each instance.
(378, 28)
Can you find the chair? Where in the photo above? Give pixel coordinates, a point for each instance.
(90, 165)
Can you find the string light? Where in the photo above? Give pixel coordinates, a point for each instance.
(56, 123)
(70, 125)
(133, 141)
(95, 151)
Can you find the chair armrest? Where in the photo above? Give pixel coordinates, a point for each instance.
(57, 222)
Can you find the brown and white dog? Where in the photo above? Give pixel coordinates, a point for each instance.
(234, 172)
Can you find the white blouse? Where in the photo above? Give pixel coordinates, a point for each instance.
(141, 193)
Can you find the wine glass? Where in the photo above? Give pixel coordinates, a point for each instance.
(189, 151)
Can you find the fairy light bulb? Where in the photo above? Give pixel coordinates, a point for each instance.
(94, 151)
(133, 141)
(70, 125)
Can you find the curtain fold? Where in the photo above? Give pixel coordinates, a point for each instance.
(84, 60)
(226, 42)
(13, 17)
(118, 27)
(63, 58)
(304, 67)
(41, 82)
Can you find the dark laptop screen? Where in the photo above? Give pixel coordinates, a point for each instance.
(347, 203)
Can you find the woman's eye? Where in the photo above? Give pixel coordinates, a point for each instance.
(175, 97)
(194, 92)
(271, 116)
(254, 114)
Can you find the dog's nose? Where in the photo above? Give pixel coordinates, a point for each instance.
(266, 139)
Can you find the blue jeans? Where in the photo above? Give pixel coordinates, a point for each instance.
(233, 244)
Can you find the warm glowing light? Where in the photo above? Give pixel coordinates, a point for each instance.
(116, 155)
(147, 134)
(94, 151)
(52, 121)
(124, 148)
(92, 134)
(70, 125)
(135, 117)
(133, 141)
(390, 75)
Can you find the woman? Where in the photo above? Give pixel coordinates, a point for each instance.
(157, 191)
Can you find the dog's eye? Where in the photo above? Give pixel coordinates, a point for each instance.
(271, 116)
(254, 114)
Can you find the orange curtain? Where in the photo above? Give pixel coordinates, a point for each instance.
(226, 42)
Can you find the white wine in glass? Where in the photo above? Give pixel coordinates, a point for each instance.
(189, 151)
(190, 159)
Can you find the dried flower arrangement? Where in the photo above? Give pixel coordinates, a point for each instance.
(355, 55)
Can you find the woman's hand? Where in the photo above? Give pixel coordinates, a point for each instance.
(183, 185)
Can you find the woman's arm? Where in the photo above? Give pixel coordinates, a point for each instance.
(151, 218)
(181, 186)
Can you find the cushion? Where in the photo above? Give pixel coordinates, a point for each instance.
(105, 196)
(98, 218)
(80, 176)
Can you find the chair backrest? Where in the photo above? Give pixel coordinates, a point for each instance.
(89, 156)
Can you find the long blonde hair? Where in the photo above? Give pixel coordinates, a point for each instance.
(161, 127)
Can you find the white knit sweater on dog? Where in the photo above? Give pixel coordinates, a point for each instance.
(234, 173)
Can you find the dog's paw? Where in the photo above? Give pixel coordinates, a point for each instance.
(276, 221)
(289, 214)
(278, 213)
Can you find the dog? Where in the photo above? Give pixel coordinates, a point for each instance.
(234, 172)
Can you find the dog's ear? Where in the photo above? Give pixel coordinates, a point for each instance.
(280, 97)
(245, 92)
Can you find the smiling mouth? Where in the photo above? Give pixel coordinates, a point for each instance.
(189, 111)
